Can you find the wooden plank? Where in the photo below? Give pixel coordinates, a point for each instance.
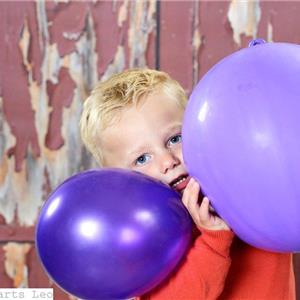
(216, 34)
(176, 40)
(280, 21)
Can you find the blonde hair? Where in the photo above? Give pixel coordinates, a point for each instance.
(120, 91)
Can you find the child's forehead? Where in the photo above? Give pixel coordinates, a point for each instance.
(157, 112)
(139, 122)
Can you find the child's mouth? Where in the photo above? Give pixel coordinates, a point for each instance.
(180, 183)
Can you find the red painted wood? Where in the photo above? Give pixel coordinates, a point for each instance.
(5, 281)
(284, 18)
(150, 53)
(175, 44)
(108, 34)
(217, 40)
(60, 96)
(14, 76)
(67, 24)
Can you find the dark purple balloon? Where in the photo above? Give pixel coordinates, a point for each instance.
(241, 140)
(111, 234)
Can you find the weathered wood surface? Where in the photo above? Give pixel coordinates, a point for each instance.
(51, 55)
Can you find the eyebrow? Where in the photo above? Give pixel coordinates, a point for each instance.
(174, 127)
(144, 149)
(139, 149)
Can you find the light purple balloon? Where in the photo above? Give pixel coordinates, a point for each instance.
(241, 141)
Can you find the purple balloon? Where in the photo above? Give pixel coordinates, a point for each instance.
(111, 234)
(241, 141)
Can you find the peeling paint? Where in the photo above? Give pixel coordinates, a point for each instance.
(54, 63)
(270, 32)
(24, 45)
(61, 96)
(117, 65)
(7, 196)
(87, 50)
(15, 263)
(65, 31)
(108, 38)
(3, 133)
(142, 23)
(244, 17)
(83, 62)
(123, 13)
(13, 67)
(196, 43)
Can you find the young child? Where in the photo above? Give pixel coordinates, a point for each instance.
(133, 121)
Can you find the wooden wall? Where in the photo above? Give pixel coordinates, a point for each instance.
(51, 55)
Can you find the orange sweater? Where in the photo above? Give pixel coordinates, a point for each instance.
(219, 266)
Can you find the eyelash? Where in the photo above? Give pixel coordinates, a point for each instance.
(136, 162)
(169, 144)
(175, 136)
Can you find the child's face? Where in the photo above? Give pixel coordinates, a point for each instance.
(147, 139)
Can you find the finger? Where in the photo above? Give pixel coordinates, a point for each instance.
(190, 191)
(186, 193)
(195, 181)
(211, 209)
(193, 196)
(204, 214)
(190, 200)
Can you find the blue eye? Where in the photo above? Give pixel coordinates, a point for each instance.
(175, 139)
(141, 160)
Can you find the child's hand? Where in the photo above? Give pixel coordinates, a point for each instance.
(203, 214)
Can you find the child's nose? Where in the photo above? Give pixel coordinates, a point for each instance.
(168, 161)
